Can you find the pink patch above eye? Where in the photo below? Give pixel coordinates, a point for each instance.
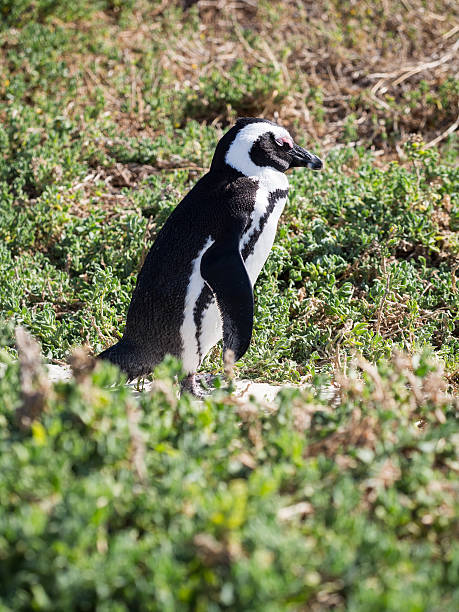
(285, 140)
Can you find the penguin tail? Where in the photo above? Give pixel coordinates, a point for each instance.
(127, 357)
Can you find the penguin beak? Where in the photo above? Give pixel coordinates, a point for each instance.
(302, 158)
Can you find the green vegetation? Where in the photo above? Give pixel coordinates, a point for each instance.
(109, 112)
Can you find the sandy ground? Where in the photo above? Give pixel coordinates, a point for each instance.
(244, 389)
(263, 392)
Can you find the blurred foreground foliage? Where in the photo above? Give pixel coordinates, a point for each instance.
(111, 502)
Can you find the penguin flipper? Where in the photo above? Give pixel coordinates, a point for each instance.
(224, 271)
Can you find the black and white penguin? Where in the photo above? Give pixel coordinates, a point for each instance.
(196, 285)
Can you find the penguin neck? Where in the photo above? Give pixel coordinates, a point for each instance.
(267, 177)
(270, 179)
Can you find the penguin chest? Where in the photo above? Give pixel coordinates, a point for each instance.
(202, 325)
(258, 239)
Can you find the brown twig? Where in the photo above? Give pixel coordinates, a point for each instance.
(452, 128)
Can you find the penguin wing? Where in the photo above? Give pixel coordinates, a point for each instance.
(224, 271)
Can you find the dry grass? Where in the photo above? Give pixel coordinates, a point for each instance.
(334, 59)
(347, 69)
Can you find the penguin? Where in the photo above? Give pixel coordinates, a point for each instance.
(196, 284)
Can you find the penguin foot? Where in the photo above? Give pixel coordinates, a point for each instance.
(207, 380)
(191, 385)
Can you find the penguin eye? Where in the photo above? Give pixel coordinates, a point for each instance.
(284, 142)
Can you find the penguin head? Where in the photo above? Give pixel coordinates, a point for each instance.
(252, 145)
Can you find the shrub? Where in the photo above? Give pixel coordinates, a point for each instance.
(112, 502)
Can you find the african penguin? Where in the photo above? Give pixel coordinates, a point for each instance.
(196, 285)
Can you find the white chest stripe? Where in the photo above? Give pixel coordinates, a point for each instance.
(256, 260)
(262, 203)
